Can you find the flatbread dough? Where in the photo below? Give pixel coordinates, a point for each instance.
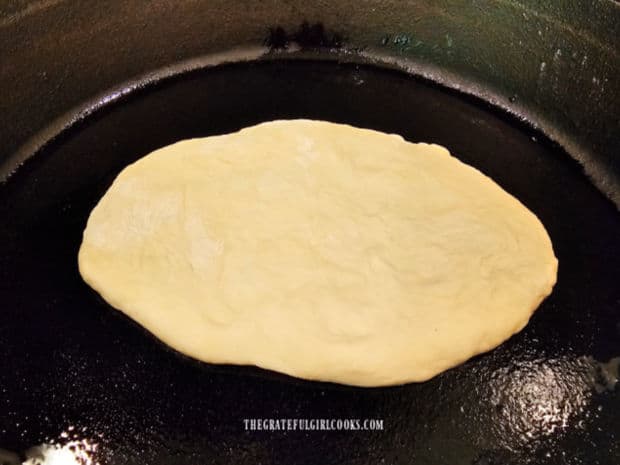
(319, 250)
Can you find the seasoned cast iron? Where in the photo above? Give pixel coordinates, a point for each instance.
(89, 87)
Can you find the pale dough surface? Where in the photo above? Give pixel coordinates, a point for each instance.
(319, 250)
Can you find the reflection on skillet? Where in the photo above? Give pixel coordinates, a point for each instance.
(538, 398)
(69, 449)
(74, 452)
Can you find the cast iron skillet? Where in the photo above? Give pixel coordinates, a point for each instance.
(78, 377)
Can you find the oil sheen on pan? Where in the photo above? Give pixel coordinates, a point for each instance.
(318, 250)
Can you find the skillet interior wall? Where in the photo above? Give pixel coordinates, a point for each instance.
(552, 63)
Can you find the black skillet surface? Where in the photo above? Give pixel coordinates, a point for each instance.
(73, 369)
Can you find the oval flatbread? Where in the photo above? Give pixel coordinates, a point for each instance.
(319, 250)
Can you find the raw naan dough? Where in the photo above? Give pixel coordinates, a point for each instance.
(319, 250)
